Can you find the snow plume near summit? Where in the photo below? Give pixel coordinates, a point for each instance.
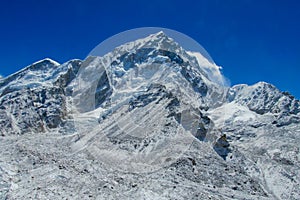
(212, 70)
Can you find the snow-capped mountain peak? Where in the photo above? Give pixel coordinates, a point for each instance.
(154, 41)
(134, 66)
(46, 60)
(159, 36)
(148, 120)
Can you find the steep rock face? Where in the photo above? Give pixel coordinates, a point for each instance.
(149, 99)
(160, 54)
(34, 99)
(32, 110)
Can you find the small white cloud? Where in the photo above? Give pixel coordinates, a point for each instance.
(212, 70)
(1, 77)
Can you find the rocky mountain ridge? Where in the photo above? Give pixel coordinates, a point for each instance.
(146, 121)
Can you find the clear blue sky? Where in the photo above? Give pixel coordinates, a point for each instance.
(252, 40)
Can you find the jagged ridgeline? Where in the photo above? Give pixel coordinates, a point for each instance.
(149, 119)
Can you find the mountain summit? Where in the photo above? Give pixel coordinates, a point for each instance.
(148, 120)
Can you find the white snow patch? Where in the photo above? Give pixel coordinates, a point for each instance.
(212, 70)
(47, 59)
(231, 112)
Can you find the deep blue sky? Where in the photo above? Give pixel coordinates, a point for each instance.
(252, 40)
